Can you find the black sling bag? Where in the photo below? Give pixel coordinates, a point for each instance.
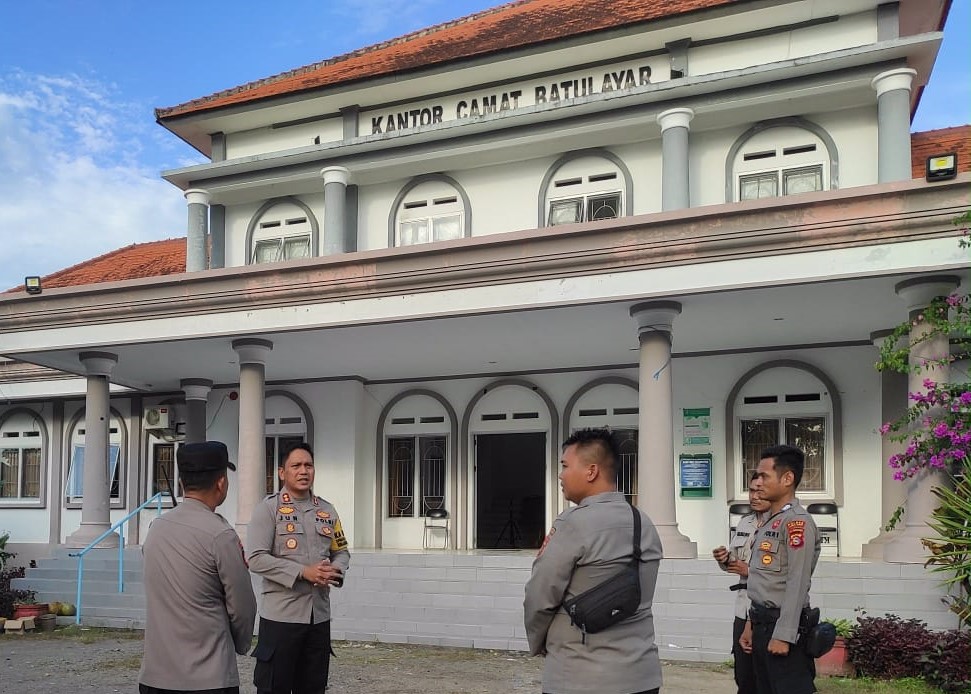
(612, 601)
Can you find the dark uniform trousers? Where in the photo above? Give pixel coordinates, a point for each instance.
(744, 669)
(292, 658)
(145, 689)
(778, 674)
(646, 691)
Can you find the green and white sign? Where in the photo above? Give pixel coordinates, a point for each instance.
(696, 426)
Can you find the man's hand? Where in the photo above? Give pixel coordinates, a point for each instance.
(737, 566)
(777, 647)
(720, 554)
(322, 573)
(745, 640)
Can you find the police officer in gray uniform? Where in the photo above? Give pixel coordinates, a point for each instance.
(785, 552)
(297, 545)
(588, 544)
(735, 560)
(200, 606)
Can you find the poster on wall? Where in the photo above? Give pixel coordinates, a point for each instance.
(696, 426)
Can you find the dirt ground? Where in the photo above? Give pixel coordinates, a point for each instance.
(108, 662)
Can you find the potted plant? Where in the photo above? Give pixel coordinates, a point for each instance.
(25, 605)
(835, 661)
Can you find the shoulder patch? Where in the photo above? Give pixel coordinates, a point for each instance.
(795, 529)
(546, 541)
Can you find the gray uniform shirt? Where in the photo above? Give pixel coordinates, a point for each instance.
(586, 545)
(200, 606)
(741, 549)
(285, 535)
(784, 557)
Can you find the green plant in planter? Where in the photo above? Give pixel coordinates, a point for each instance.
(844, 627)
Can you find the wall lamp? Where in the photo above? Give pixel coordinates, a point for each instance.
(942, 167)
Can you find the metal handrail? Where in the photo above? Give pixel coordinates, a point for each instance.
(119, 526)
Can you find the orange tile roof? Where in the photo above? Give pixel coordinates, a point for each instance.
(943, 141)
(514, 25)
(151, 259)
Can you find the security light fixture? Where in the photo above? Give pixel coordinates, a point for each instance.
(32, 284)
(942, 167)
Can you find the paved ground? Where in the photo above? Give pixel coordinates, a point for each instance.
(92, 662)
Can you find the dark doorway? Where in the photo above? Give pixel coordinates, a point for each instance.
(510, 490)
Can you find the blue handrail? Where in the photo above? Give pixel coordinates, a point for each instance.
(119, 526)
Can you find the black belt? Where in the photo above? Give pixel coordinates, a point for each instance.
(738, 586)
(760, 614)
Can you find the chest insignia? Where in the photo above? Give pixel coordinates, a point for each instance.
(291, 527)
(741, 534)
(765, 546)
(316, 501)
(776, 524)
(766, 559)
(771, 533)
(285, 498)
(286, 510)
(326, 530)
(323, 515)
(291, 543)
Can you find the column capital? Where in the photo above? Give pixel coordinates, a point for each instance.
(252, 350)
(196, 388)
(98, 363)
(919, 292)
(900, 78)
(335, 174)
(675, 118)
(655, 316)
(197, 196)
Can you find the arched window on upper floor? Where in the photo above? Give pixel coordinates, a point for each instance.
(585, 187)
(284, 229)
(783, 157)
(429, 208)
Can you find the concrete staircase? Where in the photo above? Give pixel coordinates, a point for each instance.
(101, 603)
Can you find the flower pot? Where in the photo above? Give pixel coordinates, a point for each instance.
(46, 622)
(21, 611)
(835, 662)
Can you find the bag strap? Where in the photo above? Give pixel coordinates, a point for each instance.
(636, 554)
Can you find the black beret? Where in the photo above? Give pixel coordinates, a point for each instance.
(204, 456)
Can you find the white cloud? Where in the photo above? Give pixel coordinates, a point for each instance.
(73, 178)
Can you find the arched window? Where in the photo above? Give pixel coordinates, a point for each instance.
(286, 424)
(784, 157)
(786, 405)
(284, 229)
(585, 187)
(430, 208)
(417, 452)
(74, 491)
(22, 445)
(610, 402)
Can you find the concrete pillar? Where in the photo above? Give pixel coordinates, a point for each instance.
(918, 293)
(893, 124)
(198, 230)
(250, 456)
(655, 451)
(675, 193)
(217, 236)
(196, 398)
(95, 516)
(335, 208)
(893, 404)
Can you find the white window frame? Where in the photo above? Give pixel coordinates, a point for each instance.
(429, 209)
(74, 474)
(417, 483)
(155, 484)
(781, 151)
(582, 189)
(74, 490)
(17, 437)
(279, 231)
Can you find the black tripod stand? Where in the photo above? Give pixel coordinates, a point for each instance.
(515, 537)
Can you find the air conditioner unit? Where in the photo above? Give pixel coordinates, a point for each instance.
(157, 418)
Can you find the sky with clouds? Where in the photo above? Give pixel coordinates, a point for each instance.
(80, 152)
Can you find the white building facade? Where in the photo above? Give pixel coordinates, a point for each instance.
(691, 227)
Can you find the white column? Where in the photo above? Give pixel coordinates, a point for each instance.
(893, 124)
(198, 230)
(918, 293)
(675, 191)
(655, 421)
(95, 508)
(335, 208)
(196, 398)
(251, 456)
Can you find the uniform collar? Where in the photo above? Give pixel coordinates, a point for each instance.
(603, 497)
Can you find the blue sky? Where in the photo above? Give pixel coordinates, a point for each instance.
(80, 153)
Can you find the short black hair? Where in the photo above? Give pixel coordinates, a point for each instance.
(788, 458)
(603, 442)
(200, 481)
(301, 446)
